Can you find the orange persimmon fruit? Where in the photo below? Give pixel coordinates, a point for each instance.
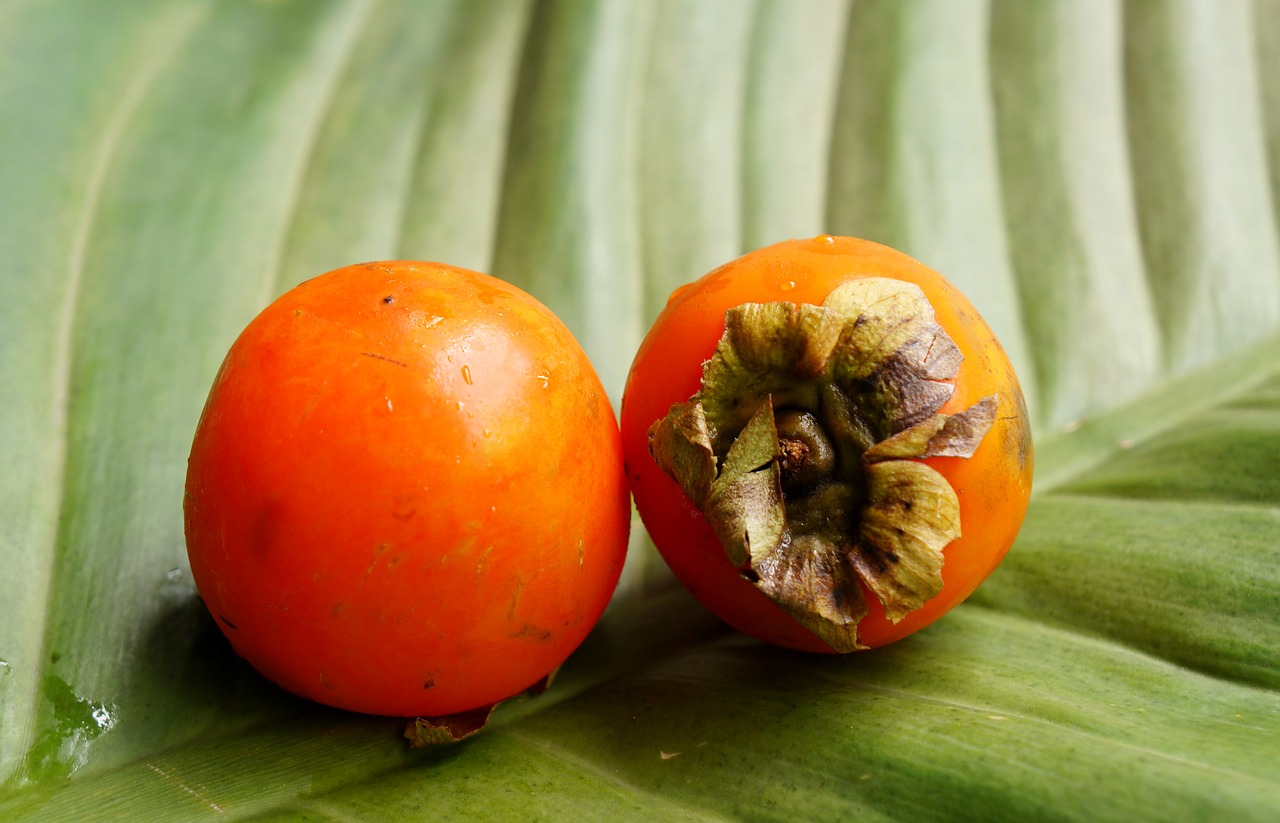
(406, 495)
(826, 443)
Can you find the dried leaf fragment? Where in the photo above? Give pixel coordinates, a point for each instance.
(451, 728)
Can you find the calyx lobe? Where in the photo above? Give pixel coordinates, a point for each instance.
(871, 367)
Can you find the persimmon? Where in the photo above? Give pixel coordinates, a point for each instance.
(827, 443)
(405, 495)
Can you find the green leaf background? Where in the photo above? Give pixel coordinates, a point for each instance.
(1101, 177)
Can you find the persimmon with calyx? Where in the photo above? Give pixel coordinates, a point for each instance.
(406, 494)
(826, 443)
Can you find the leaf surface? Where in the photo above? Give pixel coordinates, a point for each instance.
(1100, 177)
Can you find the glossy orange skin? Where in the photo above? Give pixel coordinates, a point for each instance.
(993, 485)
(406, 493)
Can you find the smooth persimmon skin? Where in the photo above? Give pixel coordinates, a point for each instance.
(406, 493)
(993, 485)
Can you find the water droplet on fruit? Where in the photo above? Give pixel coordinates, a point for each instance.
(466, 375)
(785, 281)
(546, 381)
(675, 294)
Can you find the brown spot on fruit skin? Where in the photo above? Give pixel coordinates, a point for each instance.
(384, 358)
(263, 527)
(515, 597)
(531, 632)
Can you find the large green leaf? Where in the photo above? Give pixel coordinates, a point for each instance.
(1099, 176)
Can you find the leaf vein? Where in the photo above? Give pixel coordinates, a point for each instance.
(581, 764)
(310, 140)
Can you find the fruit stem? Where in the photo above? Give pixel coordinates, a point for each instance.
(807, 457)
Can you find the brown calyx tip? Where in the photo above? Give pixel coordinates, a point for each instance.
(422, 732)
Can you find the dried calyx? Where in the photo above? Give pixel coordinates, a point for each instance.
(801, 449)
